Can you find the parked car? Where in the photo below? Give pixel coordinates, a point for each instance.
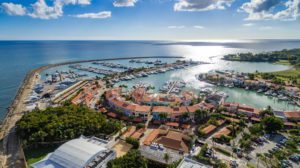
(295, 158)
(233, 164)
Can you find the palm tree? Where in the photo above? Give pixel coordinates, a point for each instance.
(166, 157)
(184, 116)
(163, 116)
(258, 157)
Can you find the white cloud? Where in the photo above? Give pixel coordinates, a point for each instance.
(176, 27)
(201, 5)
(198, 27)
(75, 2)
(99, 15)
(124, 3)
(248, 24)
(42, 11)
(13, 9)
(271, 9)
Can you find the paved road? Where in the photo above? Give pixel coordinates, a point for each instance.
(15, 157)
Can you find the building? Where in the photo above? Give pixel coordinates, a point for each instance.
(142, 111)
(292, 115)
(208, 130)
(279, 114)
(82, 152)
(189, 163)
(173, 113)
(87, 96)
(215, 99)
(169, 138)
(113, 93)
(242, 109)
(187, 98)
(224, 131)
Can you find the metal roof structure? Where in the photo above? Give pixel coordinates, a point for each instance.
(189, 163)
(77, 153)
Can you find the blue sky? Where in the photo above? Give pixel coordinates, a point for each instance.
(149, 19)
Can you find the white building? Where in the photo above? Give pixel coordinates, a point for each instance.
(189, 163)
(79, 153)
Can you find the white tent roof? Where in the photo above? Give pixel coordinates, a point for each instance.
(189, 163)
(76, 153)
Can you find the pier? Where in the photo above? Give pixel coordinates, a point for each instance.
(172, 87)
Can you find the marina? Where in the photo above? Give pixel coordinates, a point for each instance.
(230, 79)
(181, 76)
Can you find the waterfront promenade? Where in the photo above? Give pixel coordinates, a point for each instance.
(11, 152)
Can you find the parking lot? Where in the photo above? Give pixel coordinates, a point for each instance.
(270, 144)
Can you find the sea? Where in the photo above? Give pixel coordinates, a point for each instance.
(17, 58)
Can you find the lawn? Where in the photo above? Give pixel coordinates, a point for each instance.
(35, 155)
(287, 74)
(283, 62)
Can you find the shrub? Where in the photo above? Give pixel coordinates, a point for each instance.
(225, 152)
(133, 159)
(140, 125)
(134, 142)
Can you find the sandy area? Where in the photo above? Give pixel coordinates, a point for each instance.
(122, 148)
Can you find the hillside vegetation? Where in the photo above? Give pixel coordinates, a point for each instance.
(291, 57)
(284, 57)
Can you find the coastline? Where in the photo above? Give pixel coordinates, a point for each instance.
(10, 142)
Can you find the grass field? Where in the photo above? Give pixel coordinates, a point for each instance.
(35, 155)
(295, 72)
(283, 62)
(288, 74)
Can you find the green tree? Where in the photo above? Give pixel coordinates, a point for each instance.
(134, 142)
(220, 164)
(185, 116)
(163, 116)
(272, 124)
(256, 129)
(200, 116)
(63, 123)
(133, 159)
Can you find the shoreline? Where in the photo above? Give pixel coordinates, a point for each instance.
(48, 66)
(15, 112)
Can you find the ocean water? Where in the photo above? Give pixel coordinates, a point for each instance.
(19, 57)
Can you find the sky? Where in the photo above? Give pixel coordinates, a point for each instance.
(149, 19)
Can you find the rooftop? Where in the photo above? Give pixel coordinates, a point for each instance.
(208, 129)
(76, 153)
(292, 114)
(224, 131)
(189, 163)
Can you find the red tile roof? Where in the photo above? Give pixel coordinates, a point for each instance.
(292, 114)
(172, 124)
(224, 131)
(209, 129)
(151, 137)
(111, 114)
(129, 131)
(162, 109)
(143, 109)
(186, 126)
